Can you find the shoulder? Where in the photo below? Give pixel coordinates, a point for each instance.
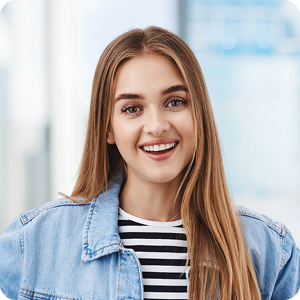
(54, 208)
(260, 221)
(263, 236)
(56, 222)
(274, 254)
(47, 234)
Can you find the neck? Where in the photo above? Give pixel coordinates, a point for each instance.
(151, 200)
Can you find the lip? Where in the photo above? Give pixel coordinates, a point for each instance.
(162, 156)
(158, 142)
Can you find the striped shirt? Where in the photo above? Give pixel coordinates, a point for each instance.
(162, 251)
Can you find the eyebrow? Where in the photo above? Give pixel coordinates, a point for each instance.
(169, 90)
(175, 88)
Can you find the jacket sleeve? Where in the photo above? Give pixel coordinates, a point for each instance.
(288, 279)
(11, 249)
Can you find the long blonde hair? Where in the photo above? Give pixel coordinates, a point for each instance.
(220, 264)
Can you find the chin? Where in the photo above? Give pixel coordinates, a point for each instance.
(161, 178)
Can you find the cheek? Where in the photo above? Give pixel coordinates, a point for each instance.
(187, 126)
(187, 131)
(126, 134)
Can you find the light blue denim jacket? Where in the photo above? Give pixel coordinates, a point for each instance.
(64, 250)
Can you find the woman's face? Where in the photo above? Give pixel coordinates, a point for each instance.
(152, 123)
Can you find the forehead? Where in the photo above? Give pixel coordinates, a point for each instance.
(145, 72)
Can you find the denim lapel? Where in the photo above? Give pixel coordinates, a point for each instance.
(101, 236)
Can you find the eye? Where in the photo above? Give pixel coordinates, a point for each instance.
(130, 109)
(176, 103)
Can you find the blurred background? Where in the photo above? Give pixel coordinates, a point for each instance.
(249, 51)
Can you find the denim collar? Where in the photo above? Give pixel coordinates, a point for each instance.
(101, 235)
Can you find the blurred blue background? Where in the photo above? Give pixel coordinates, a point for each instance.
(249, 51)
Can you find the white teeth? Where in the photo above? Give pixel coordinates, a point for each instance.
(159, 147)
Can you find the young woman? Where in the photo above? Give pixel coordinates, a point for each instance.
(150, 216)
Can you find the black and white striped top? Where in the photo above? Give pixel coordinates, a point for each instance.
(162, 250)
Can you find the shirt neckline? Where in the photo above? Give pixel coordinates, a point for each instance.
(148, 222)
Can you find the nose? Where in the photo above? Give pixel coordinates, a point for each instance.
(156, 122)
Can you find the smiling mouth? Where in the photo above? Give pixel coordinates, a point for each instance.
(157, 152)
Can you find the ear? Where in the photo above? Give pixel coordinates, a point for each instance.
(110, 138)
